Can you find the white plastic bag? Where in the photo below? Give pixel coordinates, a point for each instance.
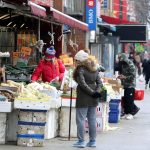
(141, 78)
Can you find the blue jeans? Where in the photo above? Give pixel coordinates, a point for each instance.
(81, 114)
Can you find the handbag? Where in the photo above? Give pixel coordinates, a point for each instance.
(139, 94)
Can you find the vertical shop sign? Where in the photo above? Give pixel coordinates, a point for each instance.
(91, 14)
(47, 3)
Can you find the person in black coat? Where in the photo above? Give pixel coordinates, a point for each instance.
(146, 72)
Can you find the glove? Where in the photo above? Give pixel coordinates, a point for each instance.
(96, 95)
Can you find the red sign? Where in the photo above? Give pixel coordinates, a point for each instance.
(91, 3)
(47, 3)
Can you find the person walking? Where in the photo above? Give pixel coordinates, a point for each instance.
(146, 72)
(89, 83)
(138, 63)
(128, 80)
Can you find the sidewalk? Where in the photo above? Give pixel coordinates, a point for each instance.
(130, 134)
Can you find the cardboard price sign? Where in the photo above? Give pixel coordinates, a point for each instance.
(16, 55)
(26, 51)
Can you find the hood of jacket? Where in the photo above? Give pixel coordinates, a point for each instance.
(124, 58)
(89, 64)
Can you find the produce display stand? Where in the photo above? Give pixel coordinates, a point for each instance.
(37, 121)
(6, 108)
(68, 118)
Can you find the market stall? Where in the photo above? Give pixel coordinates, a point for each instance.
(41, 107)
(37, 107)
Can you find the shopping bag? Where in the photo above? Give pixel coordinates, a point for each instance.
(141, 78)
(139, 94)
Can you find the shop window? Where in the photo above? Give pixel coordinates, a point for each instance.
(73, 6)
(108, 59)
(7, 43)
(25, 45)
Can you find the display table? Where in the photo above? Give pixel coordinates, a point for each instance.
(5, 107)
(36, 121)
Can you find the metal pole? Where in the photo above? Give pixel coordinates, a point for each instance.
(70, 114)
(39, 28)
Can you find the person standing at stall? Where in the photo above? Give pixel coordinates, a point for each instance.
(128, 80)
(50, 68)
(86, 74)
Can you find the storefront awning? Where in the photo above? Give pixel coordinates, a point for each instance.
(100, 22)
(37, 9)
(66, 19)
(113, 20)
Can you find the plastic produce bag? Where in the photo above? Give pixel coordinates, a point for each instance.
(141, 78)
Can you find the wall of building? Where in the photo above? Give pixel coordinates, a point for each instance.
(120, 9)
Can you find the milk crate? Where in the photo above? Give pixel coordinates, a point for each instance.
(2, 128)
(114, 104)
(114, 116)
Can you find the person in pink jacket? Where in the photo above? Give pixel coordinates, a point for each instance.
(50, 68)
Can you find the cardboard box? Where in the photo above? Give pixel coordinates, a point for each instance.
(117, 88)
(6, 106)
(26, 51)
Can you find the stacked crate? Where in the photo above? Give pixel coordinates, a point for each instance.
(64, 122)
(115, 110)
(2, 127)
(31, 127)
(101, 117)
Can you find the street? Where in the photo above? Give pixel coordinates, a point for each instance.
(130, 134)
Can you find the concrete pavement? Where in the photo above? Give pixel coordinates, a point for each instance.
(130, 134)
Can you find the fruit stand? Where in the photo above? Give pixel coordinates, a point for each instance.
(36, 105)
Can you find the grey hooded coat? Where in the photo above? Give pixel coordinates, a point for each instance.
(88, 79)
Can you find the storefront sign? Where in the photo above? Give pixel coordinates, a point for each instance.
(91, 14)
(47, 3)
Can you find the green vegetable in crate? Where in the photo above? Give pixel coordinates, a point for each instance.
(55, 84)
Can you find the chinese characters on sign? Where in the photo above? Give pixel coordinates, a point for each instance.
(91, 14)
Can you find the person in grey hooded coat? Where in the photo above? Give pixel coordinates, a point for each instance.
(87, 76)
(128, 80)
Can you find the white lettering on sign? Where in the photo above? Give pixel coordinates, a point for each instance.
(90, 3)
(90, 16)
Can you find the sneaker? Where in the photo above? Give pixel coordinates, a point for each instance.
(123, 116)
(129, 117)
(79, 144)
(91, 143)
(135, 111)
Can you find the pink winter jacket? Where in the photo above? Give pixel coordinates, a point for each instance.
(48, 70)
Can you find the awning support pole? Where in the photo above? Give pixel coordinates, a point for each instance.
(39, 27)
